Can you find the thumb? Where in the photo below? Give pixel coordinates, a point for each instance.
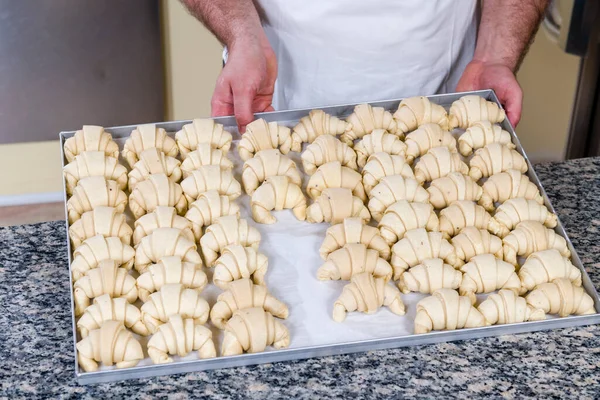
(512, 99)
(242, 107)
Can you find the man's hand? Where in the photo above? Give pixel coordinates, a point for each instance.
(247, 82)
(480, 75)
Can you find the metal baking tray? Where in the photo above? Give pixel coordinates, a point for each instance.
(290, 118)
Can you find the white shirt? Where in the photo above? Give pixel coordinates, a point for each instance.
(348, 51)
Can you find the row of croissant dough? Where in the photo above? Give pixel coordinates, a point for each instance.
(482, 254)
(169, 223)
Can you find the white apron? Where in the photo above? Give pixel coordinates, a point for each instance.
(348, 51)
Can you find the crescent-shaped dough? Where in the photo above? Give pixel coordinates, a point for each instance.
(225, 231)
(416, 111)
(146, 137)
(267, 163)
(161, 217)
(335, 204)
(170, 269)
(261, 135)
(392, 189)
(463, 213)
(513, 211)
(275, 194)
(507, 185)
(154, 161)
(529, 237)
(426, 137)
(205, 154)
(402, 216)
(431, 275)
(111, 344)
(92, 192)
(315, 124)
(561, 297)
(94, 163)
(154, 192)
(473, 108)
(90, 138)
(239, 262)
(353, 230)
(209, 206)
(97, 248)
(105, 221)
(354, 259)
(180, 336)
(367, 294)
(485, 273)
(506, 307)
(446, 310)
(104, 308)
(437, 163)
(243, 294)
(251, 330)
(545, 266)
(202, 131)
(472, 241)
(378, 141)
(380, 165)
(324, 149)
(364, 120)
(334, 175)
(165, 242)
(452, 187)
(211, 177)
(493, 159)
(480, 134)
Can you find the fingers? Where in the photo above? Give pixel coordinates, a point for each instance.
(512, 99)
(242, 106)
(222, 99)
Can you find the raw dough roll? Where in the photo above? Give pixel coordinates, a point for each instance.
(251, 330)
(180, 336)
(239, 262)
(92, 192)
(472, 241)
(561, 297)
(507, 185)
(336, 204)
(94, 163)
(473, 108)
(426, 137)
(392, 189)
(378, 141)
(352, 230)
(211, 177)
(480, 134)
(514, 211)
(170, 269)
(104, 308)
(437, 163)
(267, 163)
(153, 161)
(205, 154)
(454, 186)
(98, 248)
(493, 159)
(446, 310)
(546, 266)
(431, 275)
(380, 165)
(90, 138)
(402, 216)
(324, 149)
(165, 242)
(202, 131)
(275, 194)
(529, 237)
(463, 213)
(156, 191)
(161, 217)
(315, 124)
(506, 307)
(416, 111)
(485, 273)
(261, 135)
(210, 206)
(225, 231)
(354, 259)
(334, 175)
(364, 120)
(146, 137)
(105, 221)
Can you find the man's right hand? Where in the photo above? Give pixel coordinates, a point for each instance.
(247, 82)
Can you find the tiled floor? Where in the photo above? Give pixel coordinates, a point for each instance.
(31, 213)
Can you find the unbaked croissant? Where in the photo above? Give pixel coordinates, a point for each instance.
(513, 211)
(202, 131)
(174, 299)
(402, 216)
(493, 159)
(437, 163)
(431, 275)
(463, 213)
(156, 191)
(446, 310)
(485, 273)
(334, 175)
(529, 237)
(416, 111)
(352, 230)
(418, 245)
(107, 278)
(506, 185)
(506, 307)
(209, 206)
(428, 136)
(267, 163)
(165, 242)
(90, 138)
(243, 294)
(225, 231)
(315, 124)
(104, 308)
(92, 192)
(480, 134)
(380, 165)
(251, 330)
(472, 108)
(170, 269)
(146, 137)
(161, 217)
(261, 135)
(452, 187)
(561, 297)
(275, 194)
(471, 242)
(324, 149)
(364, 120)
(111, 344)
(377, 141)
(211, 177)
(367, 294)
(105, 221)
(335, 204)
(239, 262)
(154, 161)
(205, 154)
(98, 248)
(546, 266)
(180, 336)
(353, 259)
(94, 163)
(391, 189)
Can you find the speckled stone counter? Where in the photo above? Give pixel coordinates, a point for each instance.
(36, 354)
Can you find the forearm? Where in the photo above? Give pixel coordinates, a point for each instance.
(506, 30)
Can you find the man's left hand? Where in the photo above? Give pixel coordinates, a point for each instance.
(480, 75)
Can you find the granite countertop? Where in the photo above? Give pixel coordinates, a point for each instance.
(36, 353)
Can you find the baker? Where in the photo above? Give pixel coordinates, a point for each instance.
(286, 54)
